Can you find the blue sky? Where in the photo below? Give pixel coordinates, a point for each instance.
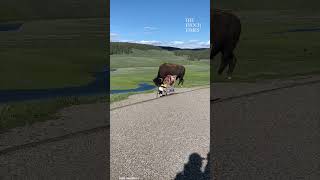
(160, 22)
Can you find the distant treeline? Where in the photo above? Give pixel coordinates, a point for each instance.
(126, 48)
(194, 55)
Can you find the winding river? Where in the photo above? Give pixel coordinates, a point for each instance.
(100, 86)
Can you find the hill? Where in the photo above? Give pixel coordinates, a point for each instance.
(175, 48)
(127, 48)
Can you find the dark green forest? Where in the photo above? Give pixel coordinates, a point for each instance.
(126, 48)
(194, 55)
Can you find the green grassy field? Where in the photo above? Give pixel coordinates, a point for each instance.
(261, 5)
(52, 54)
(61, 44)
(52, 51)
(48, 54)
(44, 9)
(142, 67)
(263, 54)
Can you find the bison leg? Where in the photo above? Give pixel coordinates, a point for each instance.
(222, 67)
(232, 65)
(180, 81)
(224, 62)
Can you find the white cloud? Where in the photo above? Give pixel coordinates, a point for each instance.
(149, 42)
(130, 41)
(177, 42)
(191, 44)
(149, 29)
(113, 36)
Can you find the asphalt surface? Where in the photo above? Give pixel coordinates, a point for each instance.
(69, 120)
(270, 135)
(76, 146)
(153, 139)
(258, 131)
(83, 156)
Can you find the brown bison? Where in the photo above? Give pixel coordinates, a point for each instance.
(225, 33)
(169, 69)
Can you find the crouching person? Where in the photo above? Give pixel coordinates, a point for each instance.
(167, 86)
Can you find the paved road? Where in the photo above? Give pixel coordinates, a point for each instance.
(153, 139)
(83, 156)
(75, 146)
(273, 135)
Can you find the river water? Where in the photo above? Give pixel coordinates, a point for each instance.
(100, 86)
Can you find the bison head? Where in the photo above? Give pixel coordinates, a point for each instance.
(157, 81)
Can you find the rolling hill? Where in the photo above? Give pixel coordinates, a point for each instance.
(127, 48)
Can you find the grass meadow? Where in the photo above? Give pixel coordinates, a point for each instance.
(267, 50)
(52, 54)
(55, 52)
(142, 66)
(46, 54)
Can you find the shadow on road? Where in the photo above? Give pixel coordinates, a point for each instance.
(192, 170)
